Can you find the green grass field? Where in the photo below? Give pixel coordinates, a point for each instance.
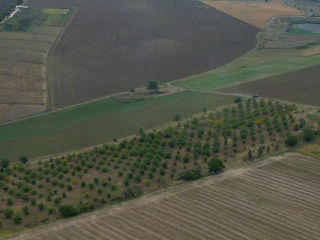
(98, 122)
(252, 66)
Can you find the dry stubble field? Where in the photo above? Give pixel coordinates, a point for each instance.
(23, 87)
(277, 198)
(256, 13)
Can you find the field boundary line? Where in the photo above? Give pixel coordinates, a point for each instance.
(50, 100)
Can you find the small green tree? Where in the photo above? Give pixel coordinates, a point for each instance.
(238, 100)
(215, 165)
(4, 163)
(8, 213)
(152, 85)
(23, 159)
(177, 117)
(17, 219)
(291, 141)
(41, 206)
(68, 211)
(25, 210)
(308, 134)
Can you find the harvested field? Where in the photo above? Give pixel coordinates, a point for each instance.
(97, 122)
(22, 84)
(114, 45)
(256, 13)
(274, 199)
(23, 53)
(301, 86)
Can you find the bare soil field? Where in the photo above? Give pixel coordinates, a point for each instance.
(277, 198)
(256, 13)
(300, 86)
(113, 45)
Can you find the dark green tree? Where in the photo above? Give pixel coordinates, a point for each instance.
(215, 165)
(17, 219)
(23, 159)
(308, 134)
(291, 141)
(4, 163)
(152, 85)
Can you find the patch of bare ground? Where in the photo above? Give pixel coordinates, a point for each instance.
(277, 198)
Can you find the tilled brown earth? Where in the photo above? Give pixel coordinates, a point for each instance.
(113, 45)
(301, 86)
(277, 198)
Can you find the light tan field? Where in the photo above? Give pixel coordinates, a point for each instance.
(23, 87)
(277, 198)
(252, 12)
(22, 73)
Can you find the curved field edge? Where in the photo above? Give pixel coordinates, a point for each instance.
(300, 86)
(148, 42)
(97, 122)
(276, 197)
(254, 65)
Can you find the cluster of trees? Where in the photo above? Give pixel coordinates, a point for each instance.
(308, 135)
(10, 6)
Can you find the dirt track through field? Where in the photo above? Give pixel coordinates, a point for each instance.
(277, 198)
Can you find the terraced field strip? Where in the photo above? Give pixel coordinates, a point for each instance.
(272, 199)
(23, 55)
(22, 58)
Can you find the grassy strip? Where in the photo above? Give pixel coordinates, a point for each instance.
(252, 66)
(311, 150)
(98, 122)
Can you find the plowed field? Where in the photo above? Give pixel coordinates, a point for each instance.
(274, 199)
